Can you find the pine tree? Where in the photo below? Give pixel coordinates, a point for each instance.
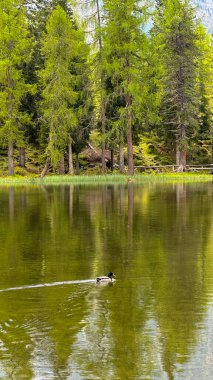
(203, 138)
(95, 19)
(58, 48)
(78, 136)
(176, 29)
(124, 44)
(38, 12)
(14, 54)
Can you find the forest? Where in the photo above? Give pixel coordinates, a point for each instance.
(91, 86)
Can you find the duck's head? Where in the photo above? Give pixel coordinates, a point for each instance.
(111, 275)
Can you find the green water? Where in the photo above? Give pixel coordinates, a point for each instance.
(155, 322)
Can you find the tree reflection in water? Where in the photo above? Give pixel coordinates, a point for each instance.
(156, 238)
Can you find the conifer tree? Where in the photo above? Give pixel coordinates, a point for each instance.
(124, 45)
(58, 47)
(70, 105)
(79, 68)
(178, 53)
(203, 140)
(95, 19)
(14, 53)
(38, 12)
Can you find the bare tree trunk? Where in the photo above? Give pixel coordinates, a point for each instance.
(121, 158)
(103, 108)
(22, 160)
(129, 137)
(103, 130)
(183, 159)
(10, 112)
(10, 159)
(177, 153)
(77, 166)
(71, 168)
(130, 151)
(46, 168)
(112, 160)
(181, 150)
(61, 166)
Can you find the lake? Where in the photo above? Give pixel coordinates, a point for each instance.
(154, 322)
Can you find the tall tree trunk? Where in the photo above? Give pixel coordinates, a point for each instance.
(99, 24)
(61, 166)
(10, 113)
(112, 160)
(183, 159)
(77, 166)
(10, 158)
(103, 108)
(129, 137)
(70, 155)
(177, 153)
(103, 130)
(46, 168)
(121, 158)
(130, 151)
(22, 160)
(181, 150)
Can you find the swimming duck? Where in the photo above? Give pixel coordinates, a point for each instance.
(105, 279)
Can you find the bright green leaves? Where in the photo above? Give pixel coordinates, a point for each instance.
(125, 46)
(59, 47)
(15, 52)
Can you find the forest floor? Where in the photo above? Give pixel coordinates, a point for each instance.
(106, 179)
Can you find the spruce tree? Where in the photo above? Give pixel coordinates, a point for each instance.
(38, 12)
(203, 139)
(14, 54)
(176, 29)
(125, 42)
(79, 68)
(95, 18)
(58, 47)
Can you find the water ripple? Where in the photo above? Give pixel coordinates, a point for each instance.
(58, 283)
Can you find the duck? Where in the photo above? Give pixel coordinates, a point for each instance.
(106, 279)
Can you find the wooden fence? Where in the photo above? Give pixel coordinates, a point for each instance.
(175, 168)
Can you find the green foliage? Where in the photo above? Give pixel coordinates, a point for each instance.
(142, 151)
(83, 105)
(15, 52)
(115, 85)
(175, 33)
(96, 138)
(126, 46)
(202, 149)
(59, 97)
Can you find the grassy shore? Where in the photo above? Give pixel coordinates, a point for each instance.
(106, 179)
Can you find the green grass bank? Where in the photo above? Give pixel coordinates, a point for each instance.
(106, 179)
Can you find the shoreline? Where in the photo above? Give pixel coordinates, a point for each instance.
(109, 179)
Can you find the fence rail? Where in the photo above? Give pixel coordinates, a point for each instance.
(175, 168)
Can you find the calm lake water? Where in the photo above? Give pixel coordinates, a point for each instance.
(155, 322)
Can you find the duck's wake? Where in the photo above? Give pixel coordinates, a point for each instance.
(59, 283)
